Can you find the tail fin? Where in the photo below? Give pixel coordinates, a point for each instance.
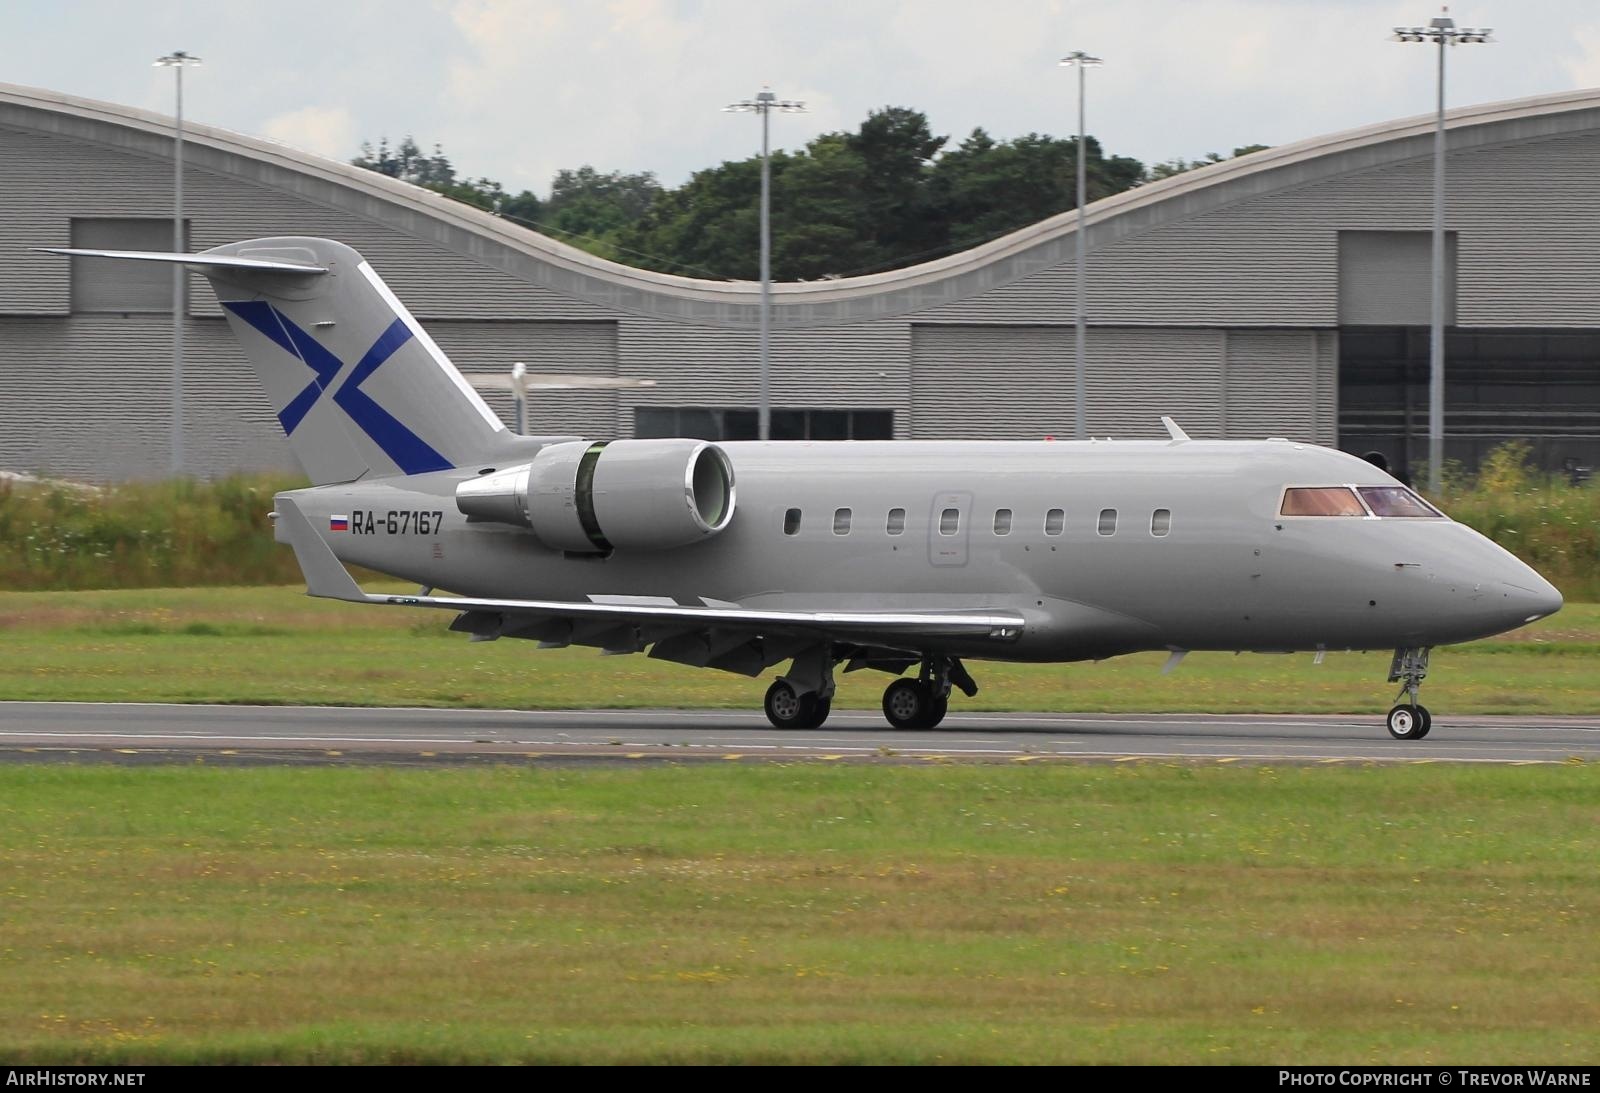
(360, 387)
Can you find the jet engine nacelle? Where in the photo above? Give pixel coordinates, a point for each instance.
(591, 497)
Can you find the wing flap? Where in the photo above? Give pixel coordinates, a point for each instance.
(327, 577)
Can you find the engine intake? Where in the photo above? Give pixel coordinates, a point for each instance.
(593, 497)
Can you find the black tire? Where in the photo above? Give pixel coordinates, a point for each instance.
(936, 712)
(907, 703)
(820, 708)
(788, 709)
(1427, 721)
(1408, 722)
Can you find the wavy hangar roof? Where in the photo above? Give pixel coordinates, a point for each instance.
(538, 259)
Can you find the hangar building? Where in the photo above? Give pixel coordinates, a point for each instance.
(1283, 293)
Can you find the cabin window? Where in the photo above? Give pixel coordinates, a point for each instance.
(1108, 522)
(1002, 521)
(1396, 501)
(896, 522)
(841, 521)
(791, 522)
(1160, 522)
(949, 521)
(1054, 521)
(1321, 501)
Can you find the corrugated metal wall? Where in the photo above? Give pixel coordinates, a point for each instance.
(1386, 278)
(89, 399)
(863, 366)
(48, 180)
(1523, 214)
(1016, 382)
(1224, 319)
(1282, 383)
(574, 348)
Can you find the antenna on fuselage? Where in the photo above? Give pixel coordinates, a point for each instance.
(1177, 434)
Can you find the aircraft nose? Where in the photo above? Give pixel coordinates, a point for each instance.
(1531, 599)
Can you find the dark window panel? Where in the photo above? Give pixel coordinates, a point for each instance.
(872, 425)
(701, 424)
(741, 425)
(829, 425)
(652, 422)
(788, 425)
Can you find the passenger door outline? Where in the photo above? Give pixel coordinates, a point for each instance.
(949, 550)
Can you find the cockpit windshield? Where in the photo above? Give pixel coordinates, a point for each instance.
(1321, 501)
(1382, 501)
(1396, 501)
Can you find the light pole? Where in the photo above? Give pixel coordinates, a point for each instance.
(177, 61)
(1444, 32)
(1080, 384)
(764, 104)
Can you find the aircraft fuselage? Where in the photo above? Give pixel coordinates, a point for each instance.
(1104, 547)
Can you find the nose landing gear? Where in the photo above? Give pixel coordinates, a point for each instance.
(1409, 720)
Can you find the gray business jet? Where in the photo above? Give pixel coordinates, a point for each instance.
(893, 555)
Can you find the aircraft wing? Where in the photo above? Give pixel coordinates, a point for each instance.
(730, 637)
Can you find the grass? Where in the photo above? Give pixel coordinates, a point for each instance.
(1548, 523)
(142, 534)
(276, 646)
(805, 913)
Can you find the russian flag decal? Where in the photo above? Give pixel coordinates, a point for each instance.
(338, 523)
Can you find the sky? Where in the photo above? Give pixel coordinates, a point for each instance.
(515, 90)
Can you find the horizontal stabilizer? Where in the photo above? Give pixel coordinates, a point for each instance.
(198, 261)
(326, 576)
(554, 381)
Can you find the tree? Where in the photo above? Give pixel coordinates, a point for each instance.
(895, 146)
(820, 227)
(984, 189)
(436, 173)
(846, 203)
(1168, 168)
(587, 202)
(706, 226)
(407, 163)
(888, 195)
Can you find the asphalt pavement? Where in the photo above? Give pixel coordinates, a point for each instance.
(130, 732)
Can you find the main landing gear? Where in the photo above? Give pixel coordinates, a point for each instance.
(803, 698)
(788, 708)
(921, 703)
(1409, 720)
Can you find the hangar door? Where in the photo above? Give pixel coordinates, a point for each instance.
(972, 381)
